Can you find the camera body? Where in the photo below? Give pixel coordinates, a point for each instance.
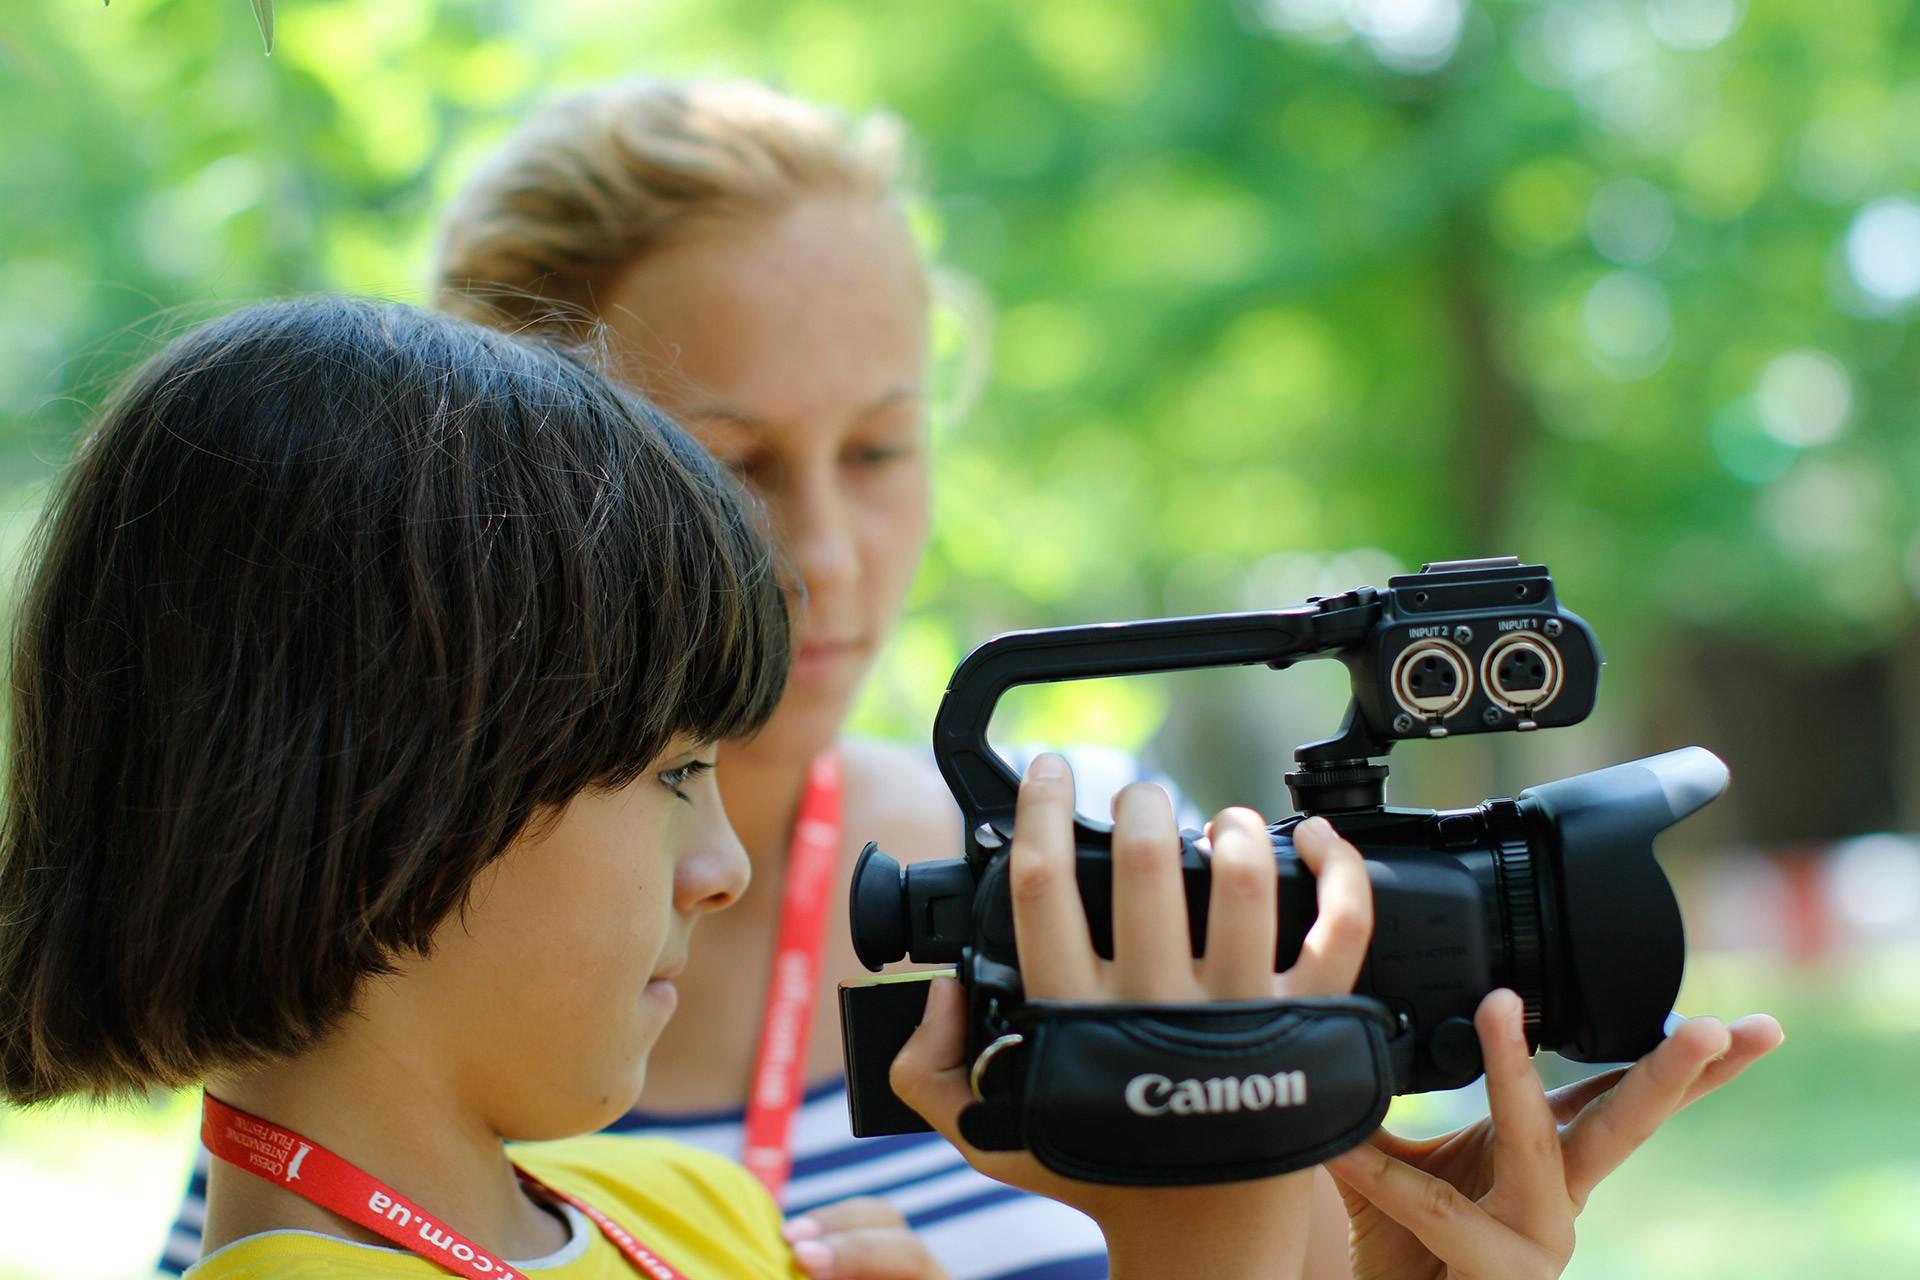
(1554, 893)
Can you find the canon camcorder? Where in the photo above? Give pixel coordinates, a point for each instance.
(1555, 894)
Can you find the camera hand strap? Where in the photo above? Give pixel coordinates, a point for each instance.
(1173, 1095)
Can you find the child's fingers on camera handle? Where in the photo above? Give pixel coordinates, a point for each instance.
(1152, 949)
(1335, 948)
(1152, 952)
(1049, 924)
(1242, 914)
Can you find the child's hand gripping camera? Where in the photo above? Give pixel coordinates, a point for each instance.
(1555, 894)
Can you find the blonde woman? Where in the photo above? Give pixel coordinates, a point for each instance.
(750, 256)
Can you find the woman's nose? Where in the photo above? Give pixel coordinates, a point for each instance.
(820, 533)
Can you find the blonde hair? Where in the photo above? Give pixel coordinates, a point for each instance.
(599, 179)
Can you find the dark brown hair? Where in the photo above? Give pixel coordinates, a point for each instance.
(336, 597)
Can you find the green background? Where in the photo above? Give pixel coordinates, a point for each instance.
(1252, 301)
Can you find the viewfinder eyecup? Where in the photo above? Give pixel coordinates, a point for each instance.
(877, 909)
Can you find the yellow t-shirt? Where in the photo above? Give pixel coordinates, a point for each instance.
(705, 1216)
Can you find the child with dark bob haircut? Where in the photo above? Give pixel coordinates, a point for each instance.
(365, 695)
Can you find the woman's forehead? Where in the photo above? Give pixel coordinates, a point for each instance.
(816, 314)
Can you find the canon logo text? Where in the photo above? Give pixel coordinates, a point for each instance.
(1155, 1095)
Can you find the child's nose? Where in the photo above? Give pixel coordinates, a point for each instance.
(716, 873)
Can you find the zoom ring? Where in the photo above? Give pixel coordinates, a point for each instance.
(1519, 907)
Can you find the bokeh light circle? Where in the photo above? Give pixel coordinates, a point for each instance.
(1883, 250)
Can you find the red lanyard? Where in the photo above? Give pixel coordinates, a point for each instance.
(812, 858)
(312, 1172)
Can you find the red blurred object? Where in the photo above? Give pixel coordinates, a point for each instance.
(1809, 915)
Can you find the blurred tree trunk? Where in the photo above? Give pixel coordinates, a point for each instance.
(1903, 715)
(1496, 420)
(1819, 751)
(1494, 423)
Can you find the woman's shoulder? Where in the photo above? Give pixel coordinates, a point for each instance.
(894, 795)
(896, 768)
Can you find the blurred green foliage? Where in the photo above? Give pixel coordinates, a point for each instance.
(1285, 294)
(1269, 276)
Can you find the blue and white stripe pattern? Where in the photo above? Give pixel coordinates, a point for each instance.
(979, 1229)
(183, 1241)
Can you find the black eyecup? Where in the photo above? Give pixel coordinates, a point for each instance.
(877, 909)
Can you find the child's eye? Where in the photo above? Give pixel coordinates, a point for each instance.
(676, 778)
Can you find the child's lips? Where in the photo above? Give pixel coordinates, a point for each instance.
(669, 971)
(660, 985)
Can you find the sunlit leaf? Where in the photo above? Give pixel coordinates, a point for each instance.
(263, 14)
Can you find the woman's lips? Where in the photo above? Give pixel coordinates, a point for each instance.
(818, 660)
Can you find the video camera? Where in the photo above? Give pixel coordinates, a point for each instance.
(1555, 894)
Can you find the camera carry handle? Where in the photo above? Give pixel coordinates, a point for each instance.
(1182, 1094)
(985, 786)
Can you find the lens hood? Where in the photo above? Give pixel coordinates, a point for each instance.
(1622, 944)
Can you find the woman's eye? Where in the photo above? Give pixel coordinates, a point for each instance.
(746, 466)
(875, 455)
(676, 778)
